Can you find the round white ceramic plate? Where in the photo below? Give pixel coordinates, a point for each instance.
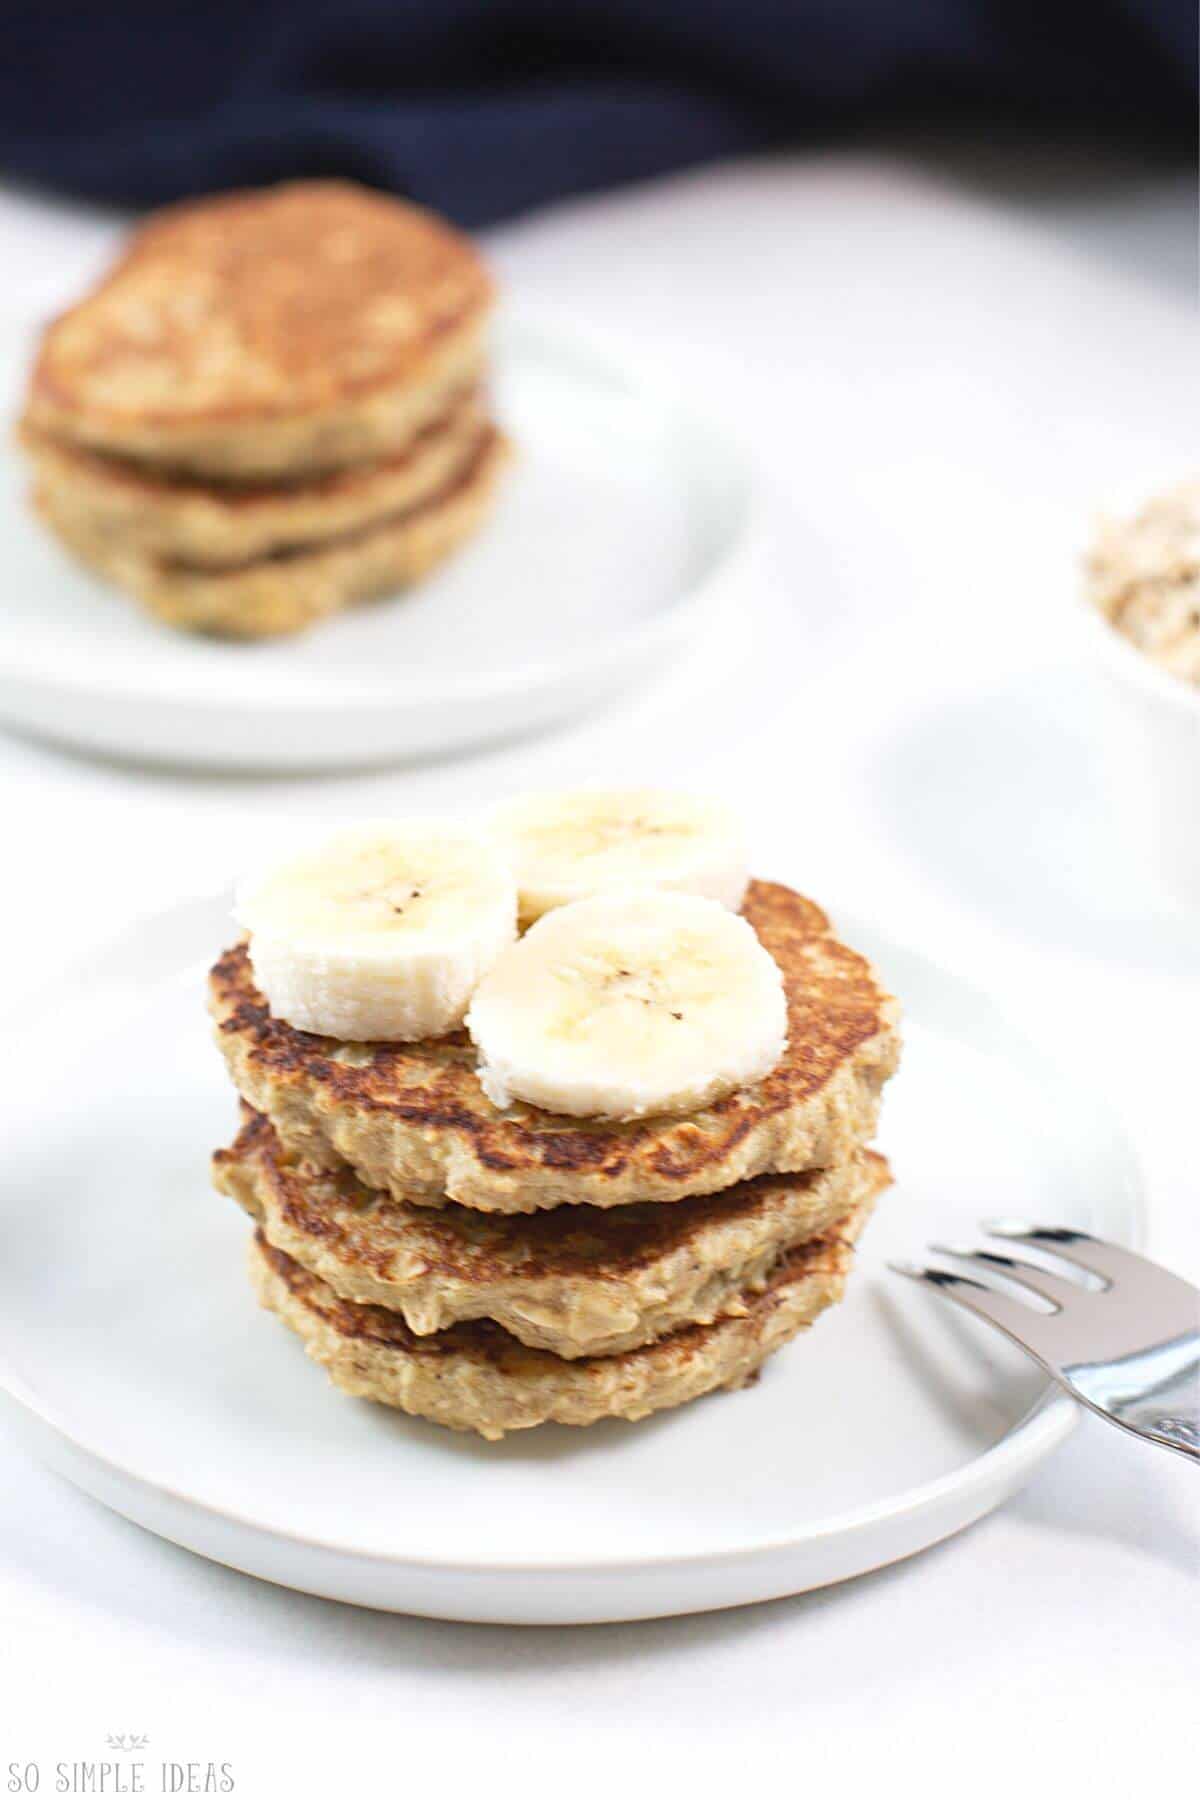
(145, 1372)
(622, 523)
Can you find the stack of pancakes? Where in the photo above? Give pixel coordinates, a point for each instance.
(492, 1269)
(271, 407)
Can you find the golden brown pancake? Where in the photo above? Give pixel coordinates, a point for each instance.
(182, 519)
(289, 589)
(279, 330)
(577, 1280)
(477, 1377)
(413, 1119)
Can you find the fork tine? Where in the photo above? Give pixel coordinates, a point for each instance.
(1079, 1247)
(1055, 1288)
(1134, 1275)
(1013, 1318)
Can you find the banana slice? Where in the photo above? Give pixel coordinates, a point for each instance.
(566, 846)
(629, 1004)
(380, 932)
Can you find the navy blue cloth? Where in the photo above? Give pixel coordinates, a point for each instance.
(482, 108)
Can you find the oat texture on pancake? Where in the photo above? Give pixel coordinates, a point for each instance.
(271, 407)
(287, 590)
(188, 522)
(577, 1281)
(478, 1377)
(412, 1120)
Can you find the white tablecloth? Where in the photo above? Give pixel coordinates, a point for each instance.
(940, 375)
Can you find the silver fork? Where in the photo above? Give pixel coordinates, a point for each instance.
(1127, 1344)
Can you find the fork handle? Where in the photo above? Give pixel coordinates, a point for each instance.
(1170, 1417)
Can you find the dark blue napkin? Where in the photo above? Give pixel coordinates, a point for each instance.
(482, 108)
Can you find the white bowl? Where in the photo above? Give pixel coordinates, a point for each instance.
(1163, 715)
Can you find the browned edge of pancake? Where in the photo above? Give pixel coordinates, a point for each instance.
(563, 1241)
(488, 442)
(830, 1254)
(241, 493)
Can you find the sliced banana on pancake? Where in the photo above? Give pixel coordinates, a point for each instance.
(572, 844)
(627, 1005)
(380, 932)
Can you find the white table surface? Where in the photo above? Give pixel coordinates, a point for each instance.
(942, 367)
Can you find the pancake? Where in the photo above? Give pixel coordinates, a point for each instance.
(180, 519)
(282, 593)
(413, 1119)
(476, 1377)
(275, 331)
(577, 1281)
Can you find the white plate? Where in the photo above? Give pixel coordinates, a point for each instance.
(620, 526)
(146, 1373)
